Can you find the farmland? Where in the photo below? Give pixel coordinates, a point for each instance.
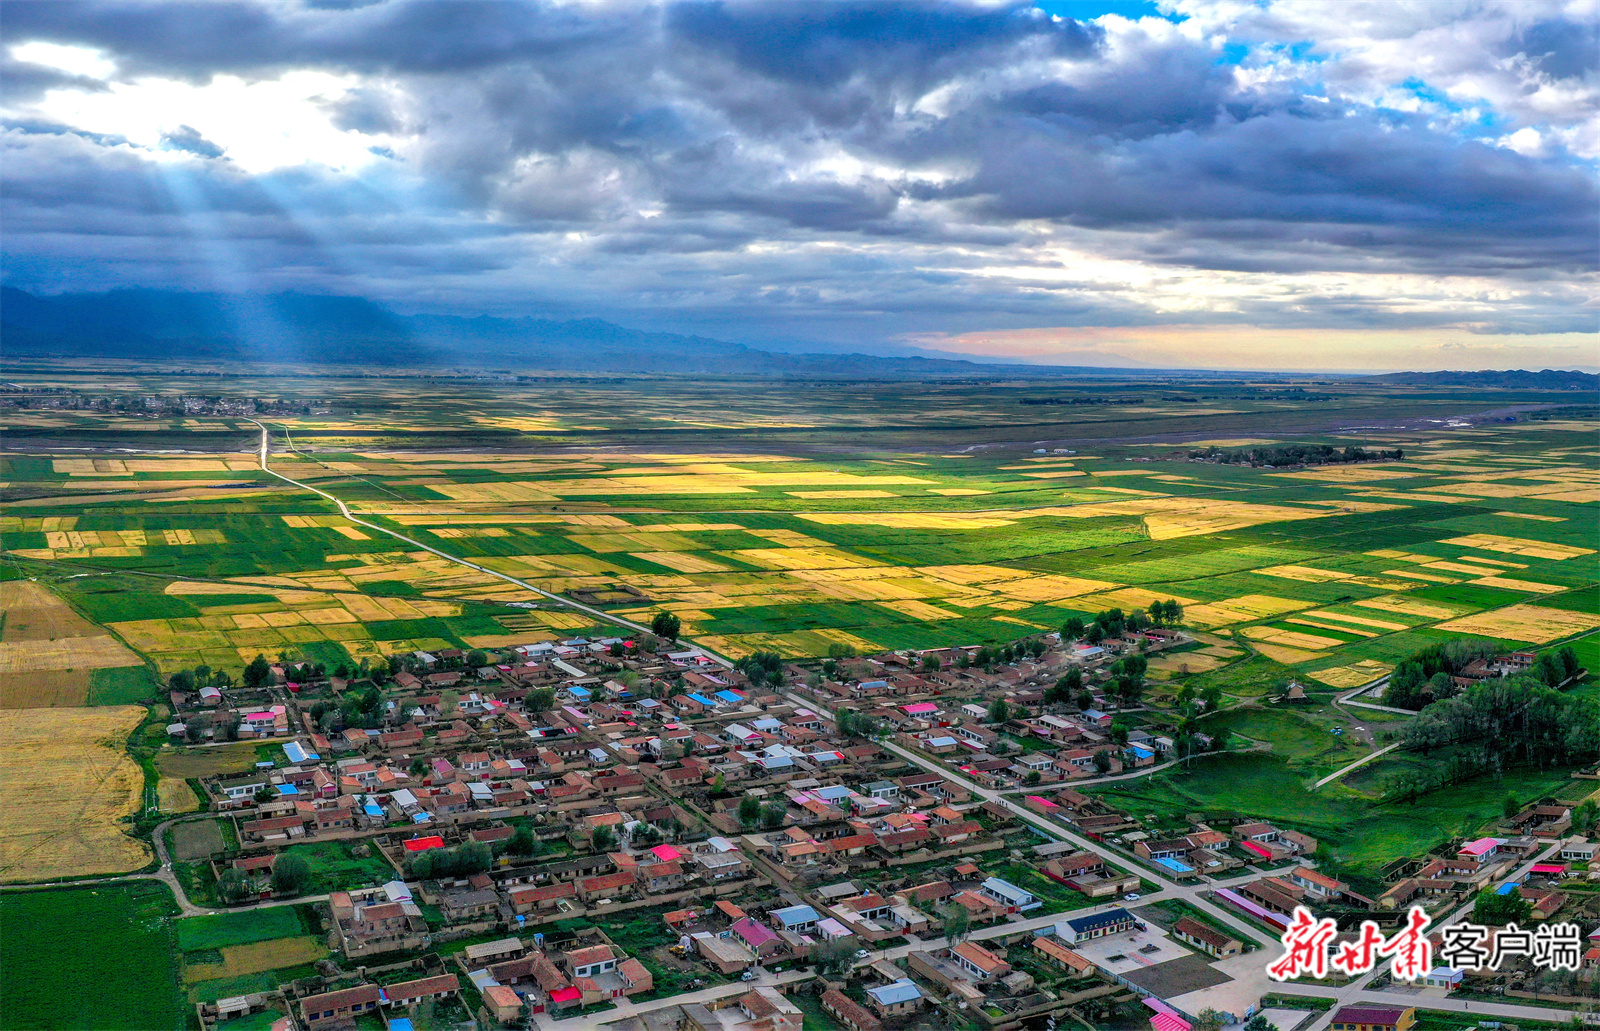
(805, 522)
(1332, 573)
(115, 937)
(70, 784)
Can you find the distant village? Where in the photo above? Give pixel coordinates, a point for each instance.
(623, 823)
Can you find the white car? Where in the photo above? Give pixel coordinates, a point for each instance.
(862, 954)
(1132, 896)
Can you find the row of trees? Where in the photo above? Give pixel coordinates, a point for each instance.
(1115, 622)
(1294, 454)
(1513, 722)
(762, 668)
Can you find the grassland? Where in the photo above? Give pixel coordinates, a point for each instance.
(90, 958)
(196, 933)
(69, 785)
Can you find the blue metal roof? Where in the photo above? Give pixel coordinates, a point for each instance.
(702, 699)
(795, 915)
(730, 696)
(1175, 865)
(1095, 921)
(903, 990)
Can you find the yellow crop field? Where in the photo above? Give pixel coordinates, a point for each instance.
(1534, 624)
(958, 492)
(68, 784)
(1399, 603)
(1353, 675)
(1519, 546)
(1185, 663)
(1290, 638)
(1530, 515)
(1350, 474)
(252, 958)
(1511, 584)
(1241, 609)
(1368, 621)
(176, 796)
(1306, 574)
(826, 495)
(1129, 598)
(918, 609)
(909, 520)
(682, 561)
(1415, 574)
(102, 652)
(1462, 567)
(1167, 518)
(797, 558)
(1317, 624)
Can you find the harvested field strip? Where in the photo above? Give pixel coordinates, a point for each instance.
(1320, 625)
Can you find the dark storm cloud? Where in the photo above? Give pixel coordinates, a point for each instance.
(854, 164)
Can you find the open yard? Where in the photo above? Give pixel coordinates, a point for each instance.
(116, 938)
(208, 761)
(196, 839)
(69, 785)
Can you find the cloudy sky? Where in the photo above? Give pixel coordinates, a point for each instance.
(1339, 185)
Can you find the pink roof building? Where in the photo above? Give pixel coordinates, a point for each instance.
(920, 709)
(666, 853)
(1480, 848)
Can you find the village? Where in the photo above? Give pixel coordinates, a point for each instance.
(628, 831)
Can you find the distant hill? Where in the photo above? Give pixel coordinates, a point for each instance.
(303, 328)
(1515, 379)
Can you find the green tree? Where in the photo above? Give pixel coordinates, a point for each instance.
(1499, 910)
(833, 957)
(1033, 777)
(666, 626)
(477, 658)
(1102, 761)
(202, 675)
(290, 874)
(957, 923)
(257, 673)
(719, 784)
(1510, 806)
(540, 699)
(999, 711)
(930, 663)
(1072, 629)
(1583, 817)
(233, 886)
(749, 810)
(602, 839)
(523, 843)
(1095, 634)
(773, 814)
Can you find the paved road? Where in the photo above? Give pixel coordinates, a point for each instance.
(1336, 774)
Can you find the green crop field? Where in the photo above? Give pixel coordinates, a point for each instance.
(116, 938)
(214, 932)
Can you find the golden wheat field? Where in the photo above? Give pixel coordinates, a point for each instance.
(68, 783)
